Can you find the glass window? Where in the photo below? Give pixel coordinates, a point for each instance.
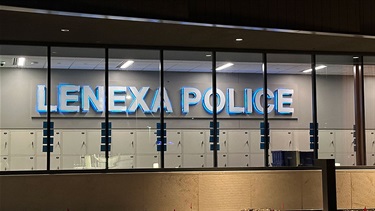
(239, 79)
(134, 101)
(22, 71)
(290, 110)
(77, 107)
(335, 98)
(369, 86)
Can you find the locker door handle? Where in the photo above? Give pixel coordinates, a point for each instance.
(225, 165)
(83, 143)
(247, 142)
(5, 145)
(225, 142)
(373, 142)
(132, 143)
(290, 143)
(202, 143)
(179, 143)
(58, 143)
(32, 144)
(332, 143)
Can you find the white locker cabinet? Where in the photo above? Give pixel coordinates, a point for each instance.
(39, 144)
(41, 162)
(22, 163)
(281, 140)
(174, 141)
(370, 159)
(255, 142)
(173, 161)
(124, 162)
(238, 141)
(344, 141)
(222, 160)
(257, 160)
(326, 155)
(238, 160)
(4, 141)
(94, 142)
(74, 142)
(326, 142)
(370, 141)
(223, 141)
(192, 160)
(147, 161)
(193, 141)
(345, 159)
(73, 162)
(4, 163)
(123, 142)
(301, 138)
(22, 143)
(146, 142)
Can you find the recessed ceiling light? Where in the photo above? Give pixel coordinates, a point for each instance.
(239, 39)
(316, 68)
(65, 30)
(355, 57)
(208, 55)
(224, 66)
(21, 61)
(127, 64)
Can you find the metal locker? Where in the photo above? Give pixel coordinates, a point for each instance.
(326, 142)
(174, 141)
(238, 141)
(255, 142)
(39, 144)
(281, 140)
(93, 142)
(345, 159)
(222, 160)
(301, 138)
(73, 162)
(123, 162)
(370, 142)
(344, 141)
(4, 141)
(22, 163)
(123, 142)
(74, 142)
(148, 161)
(238, 160)
(223, 141)
(257, 160)
(41, 163)
(192, 160)
(4, 163)
(173, 161)
(193, 141)
(370, 159)
(146, 142)
(22, 143)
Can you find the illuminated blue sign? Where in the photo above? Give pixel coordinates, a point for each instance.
(123, 99)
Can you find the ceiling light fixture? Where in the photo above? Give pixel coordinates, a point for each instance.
(208, 55)
(65, 30)
(21, 61)
(127, 64)
(316, 68)
(224, 66)
(239, 39)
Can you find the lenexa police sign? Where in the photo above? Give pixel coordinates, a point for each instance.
(129, 99)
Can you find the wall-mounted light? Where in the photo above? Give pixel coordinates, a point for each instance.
(127, 64)
(21, 61)
(224, 66)
(316, 68)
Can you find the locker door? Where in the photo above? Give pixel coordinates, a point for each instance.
(4, 141)
(94, 142)
(370, 142)
(326, 141)
(4, 163)
(22, 163)
(257, 160)
(73, 162)
(238, 141)
(41, 162)
(174, 141)
(222, 160)
(345, 159)
(193, 160)
(222, 142)
(193, 141)
(23, 143)
(146, 142)
(173, 161)
(301, 139)
(281, 140)
(124, 162)
(148, 161)
(39, 144)
(344, 141)
(74, 143)
(238, 160)
(123, 142)
(326, 155)
(255, 142)
(370, 159)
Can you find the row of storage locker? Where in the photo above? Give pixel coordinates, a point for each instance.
(185, 148)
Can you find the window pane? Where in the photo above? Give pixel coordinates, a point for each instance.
(369, 86)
